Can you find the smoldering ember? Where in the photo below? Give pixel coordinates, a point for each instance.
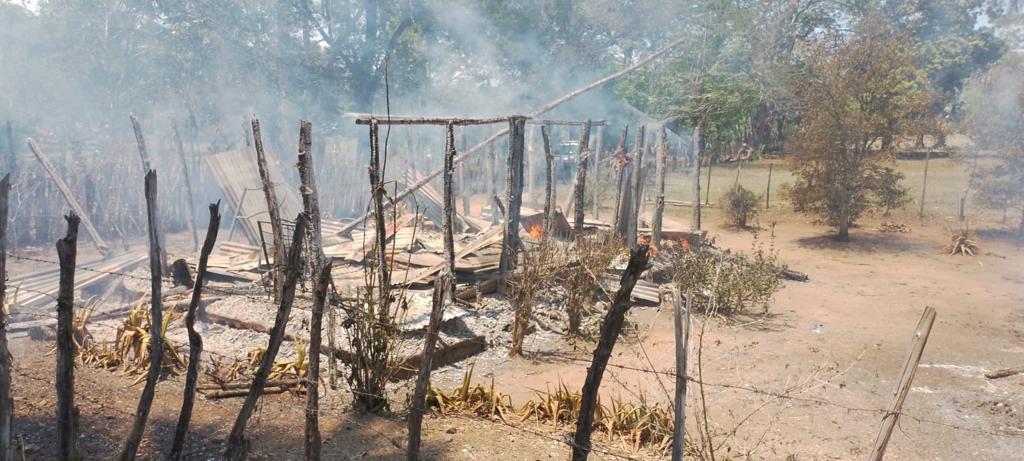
(524, 230)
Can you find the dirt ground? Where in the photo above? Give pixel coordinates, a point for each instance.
(808, 380)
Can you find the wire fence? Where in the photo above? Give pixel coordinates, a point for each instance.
(784, 395)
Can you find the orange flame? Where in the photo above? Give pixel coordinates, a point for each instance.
(536, 231)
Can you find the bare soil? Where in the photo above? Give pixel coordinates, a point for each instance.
(806, 380)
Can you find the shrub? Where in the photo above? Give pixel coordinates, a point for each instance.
(740, 206)
(729, 283)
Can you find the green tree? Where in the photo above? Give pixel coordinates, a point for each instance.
(856, 94)
(995, 121)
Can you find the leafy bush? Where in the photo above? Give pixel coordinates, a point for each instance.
(740, 206)
(729, 283)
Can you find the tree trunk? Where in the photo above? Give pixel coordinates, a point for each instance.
(510, 243)
(698, 150)
(272, 210)
(192, 227)
(195, 341)
(6, 400)
(67, 251)
(1020, 227)
(924, 184)
(844, 231)
(156, 318)
(611, 327)
(659, 198)
(237, 446)
(11, 164)
(581, 177)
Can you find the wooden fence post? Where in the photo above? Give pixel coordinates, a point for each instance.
(510, 243)
(659, 197)
(768, 189)
(549, 173)
(444, 289)
(682, 334)
(156, 318)
(237, 446)
(698, 155)
(67, 251)
(611, 326)
(276, 270)
(146, 169)
(598, 145)
(583, 156)
(638, 186)
(195, 341)
(892, 414)
(6, 401)
(321, 270)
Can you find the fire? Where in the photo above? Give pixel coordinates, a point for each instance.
(536, 230)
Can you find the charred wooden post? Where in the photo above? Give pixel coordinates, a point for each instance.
(491, 166)
(377, 190)
(444, 290)
(156, 318)
(638, 187)
(140, 142)
(510, 243)
(276, 271)
(682, 335)
(449, 212)
(531, 186)
(659, 198)
(598, 145)
(537, 113)
(237, 446)
(549, 173)
(463, 191)
(768, 188)
(195, 340)
(67, 252)
(321, 270)
(6, 400)
(621, 157)
(70, 198)
(192, 227)
(581, 178)
(611, 327)
(698, 149)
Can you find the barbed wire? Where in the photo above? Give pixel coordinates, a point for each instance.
(672, 374)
